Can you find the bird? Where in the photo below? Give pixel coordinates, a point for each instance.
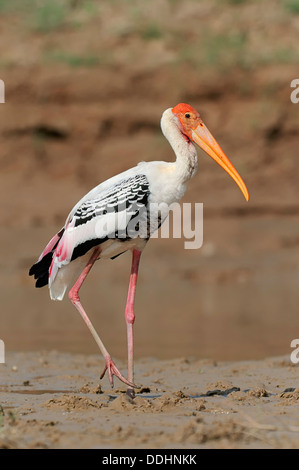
(100, 225)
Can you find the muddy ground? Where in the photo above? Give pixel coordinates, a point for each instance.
(85, 86)
(54, 400)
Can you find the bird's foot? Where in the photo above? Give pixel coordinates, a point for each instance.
(130, 393)
(113, 370)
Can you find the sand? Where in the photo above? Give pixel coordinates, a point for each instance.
(55, 400)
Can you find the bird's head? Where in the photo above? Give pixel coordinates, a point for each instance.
(192, 127)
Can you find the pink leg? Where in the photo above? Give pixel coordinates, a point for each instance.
(74, 298)
(130, 317)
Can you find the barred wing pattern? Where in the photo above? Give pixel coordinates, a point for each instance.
(120, 212)
(114, 213)
(124, 195)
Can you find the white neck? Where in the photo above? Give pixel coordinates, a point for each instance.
(185, 151)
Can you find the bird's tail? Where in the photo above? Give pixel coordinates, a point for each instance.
(65, 276)
(40, 270)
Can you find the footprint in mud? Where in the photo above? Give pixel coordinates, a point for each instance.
(167, 401)
(125, 403)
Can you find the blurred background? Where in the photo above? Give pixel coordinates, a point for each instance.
(86, 84)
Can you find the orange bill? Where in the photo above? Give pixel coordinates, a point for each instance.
(202, 137)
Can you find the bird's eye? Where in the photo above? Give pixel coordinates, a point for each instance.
(187, 115)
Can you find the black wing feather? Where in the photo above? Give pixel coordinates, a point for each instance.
(130, 195)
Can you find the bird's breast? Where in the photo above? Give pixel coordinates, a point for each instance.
(166, 185)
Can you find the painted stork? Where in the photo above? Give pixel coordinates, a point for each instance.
(115, 203)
